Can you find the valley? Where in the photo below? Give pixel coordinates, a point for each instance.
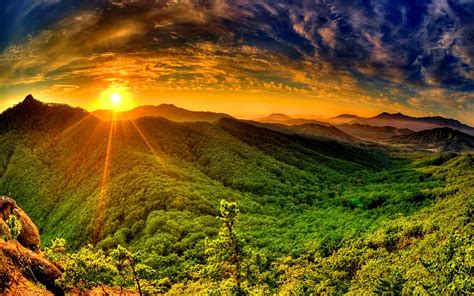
(324, 210)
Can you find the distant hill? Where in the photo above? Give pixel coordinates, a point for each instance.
(373, 133)
(287, 120)
(400, 120)
(343, 118)
(311, 130)
(274, 118)
(439, 139)
(168, 111)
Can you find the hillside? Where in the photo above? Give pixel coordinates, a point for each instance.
(280, 118)
(310, 130)
(438, 139)
(375, 133)
(168, 111)
(154, 185)
(343, 118)
(402, 121)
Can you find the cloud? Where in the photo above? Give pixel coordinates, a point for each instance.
(385, 54)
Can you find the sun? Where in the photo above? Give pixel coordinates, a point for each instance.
(116, 98)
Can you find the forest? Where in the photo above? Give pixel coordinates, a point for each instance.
(229, 208)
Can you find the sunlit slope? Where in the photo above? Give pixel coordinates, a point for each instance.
(64, 166)
(155, 184)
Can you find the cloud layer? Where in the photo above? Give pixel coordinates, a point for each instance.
(391, 54)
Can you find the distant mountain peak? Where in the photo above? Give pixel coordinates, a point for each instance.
(30, 99)
(168, 111)
(345, 115)
(386, 115)
(280, 115)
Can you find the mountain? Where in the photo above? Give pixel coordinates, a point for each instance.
(439, 139)
(54, 157)
(311, 130)
(315, 213)
(373, 133)
(168, 111)
(274, 118)
(400, 120)
(287, 120)
(343, 118)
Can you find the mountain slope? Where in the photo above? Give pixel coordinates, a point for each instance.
(343, 118)
(168, 111)
(155, 185)
(400, 120)
(310, 130)
(370, 132)
(72, 158)
(438, 139)
(287, 120)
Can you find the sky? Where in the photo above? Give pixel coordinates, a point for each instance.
(246, 58)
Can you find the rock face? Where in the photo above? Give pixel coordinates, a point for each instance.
(29, 236)
(26, 262)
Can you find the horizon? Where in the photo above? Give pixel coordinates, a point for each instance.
(245, 117)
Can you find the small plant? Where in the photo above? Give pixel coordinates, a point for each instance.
(57, 251)
(14, 228)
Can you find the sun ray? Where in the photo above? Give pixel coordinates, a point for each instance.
(104, 188)
(77, 124)
(142, 135)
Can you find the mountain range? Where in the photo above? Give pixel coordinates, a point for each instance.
(285, 119)
(400, 121)
(384, 119)
(168, 111)
(318, 207)
(443, 139)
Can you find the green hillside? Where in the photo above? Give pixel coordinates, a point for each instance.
(327, 217)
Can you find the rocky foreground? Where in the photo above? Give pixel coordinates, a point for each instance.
(23, 268)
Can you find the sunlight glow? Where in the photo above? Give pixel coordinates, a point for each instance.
(104, 186)
(116, 98)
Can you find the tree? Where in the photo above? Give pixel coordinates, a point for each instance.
(226, 251)
(125, 261)
(88, 268)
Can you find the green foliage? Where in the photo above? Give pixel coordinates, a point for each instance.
(13, 228)
(226, 252)
(56, 252)
(314, 217)
(130, 268)
(88, 268)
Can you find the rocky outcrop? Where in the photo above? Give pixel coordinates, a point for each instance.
(29, 236)
(26, 262)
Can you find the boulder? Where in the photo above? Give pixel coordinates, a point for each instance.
(29, 236)
(24, 252)
(42, 270)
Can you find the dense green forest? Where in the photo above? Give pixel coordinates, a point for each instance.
(301, 215)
